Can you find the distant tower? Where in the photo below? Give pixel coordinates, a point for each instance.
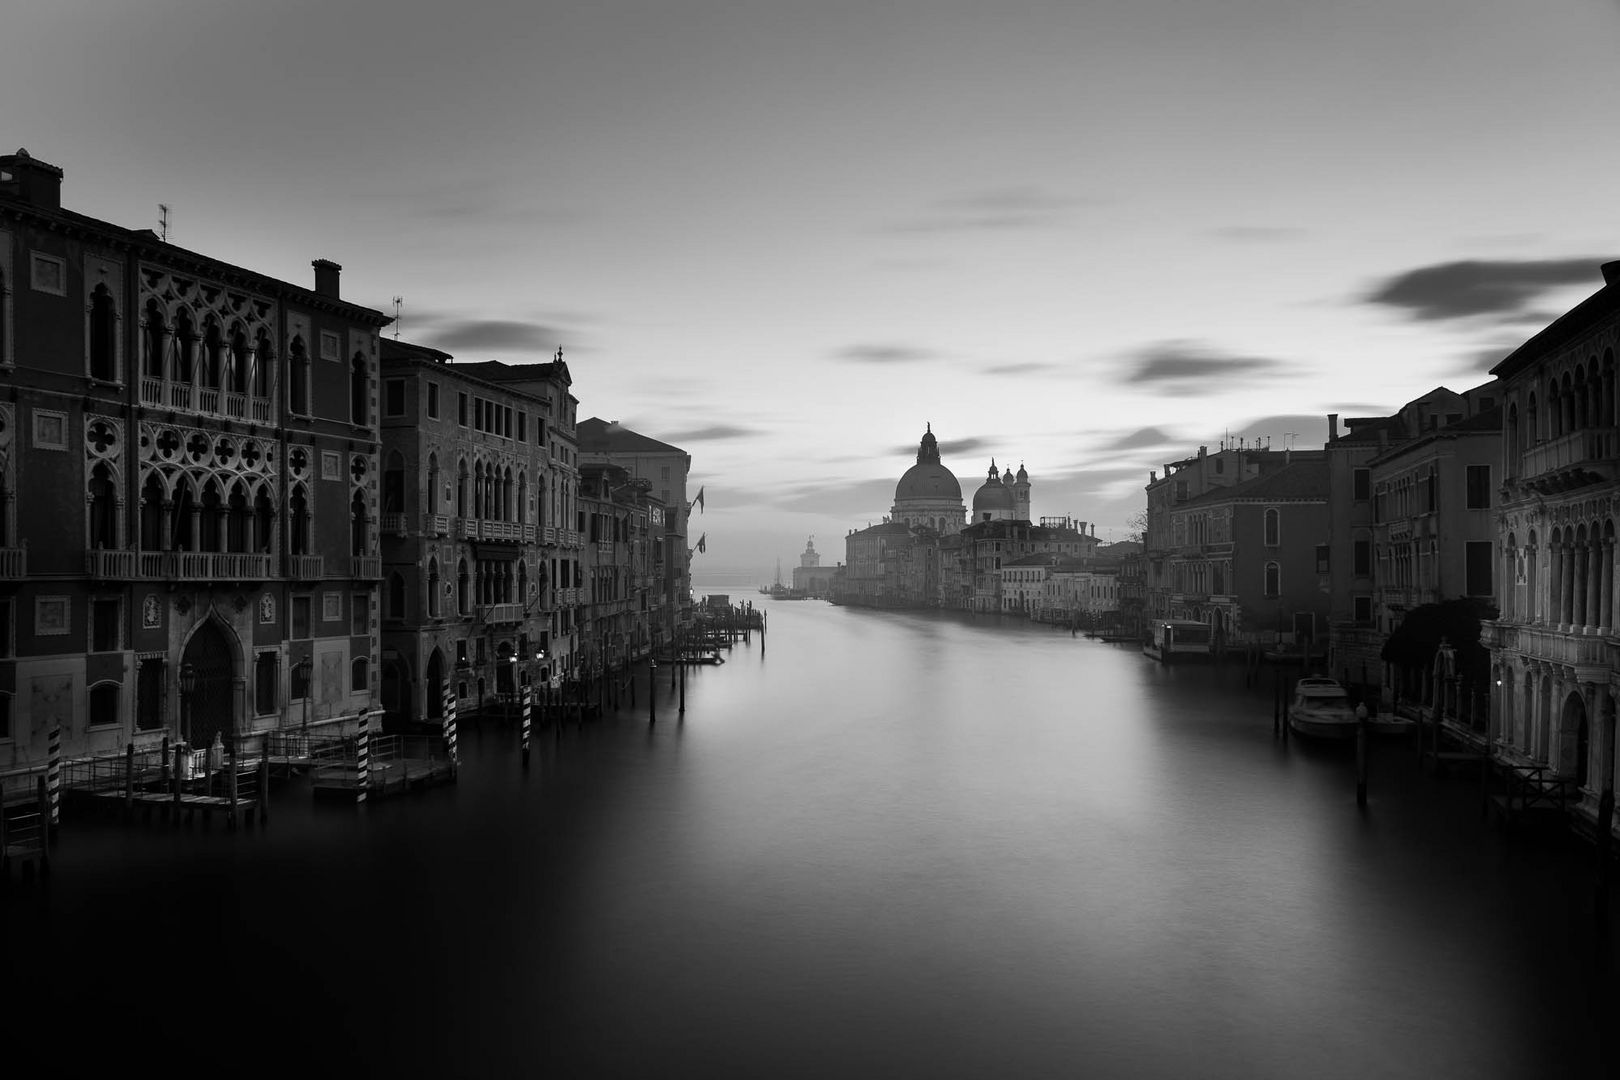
(1021, 495)
(810, 556)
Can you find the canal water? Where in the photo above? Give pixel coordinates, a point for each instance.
(876, 844)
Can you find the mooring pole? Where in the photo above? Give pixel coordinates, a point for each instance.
(683, 679)
(525, 727)
(652, 691)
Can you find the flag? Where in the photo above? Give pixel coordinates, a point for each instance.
(697, 502)
(703, 543)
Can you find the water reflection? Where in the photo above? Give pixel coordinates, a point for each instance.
(904, 845)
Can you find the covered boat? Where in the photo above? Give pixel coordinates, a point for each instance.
(1321, 709)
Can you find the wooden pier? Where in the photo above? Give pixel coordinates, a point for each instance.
(178, 785)
(395, 765)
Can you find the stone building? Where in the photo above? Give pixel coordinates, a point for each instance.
(481, 556)
(1555, 661)
(667, 469)
(625, 615)
(189, 476)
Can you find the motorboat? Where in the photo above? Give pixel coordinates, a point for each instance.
(1321, 709)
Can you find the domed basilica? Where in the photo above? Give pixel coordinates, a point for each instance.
(928, 494)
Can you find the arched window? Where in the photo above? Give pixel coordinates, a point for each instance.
(103, 336)
(461, 488)
(1273, 527)
(1273, 579)
(104, 704)
(478, 508)
(396, 595)
(359, 672)
(433, 586)
(152, 341)
(393, 493)
(264, 527)
(432, 506)
(185, 349)
(211, 518)
(237, 362)
(359, 387)
(298, 522)
(522, 582)
(266, 681)
(298, 378)
(264, 360)
(103, 510)
(463, 589)
(213, 355)
(358, 541)
(152, 514)
(522, 508)
(239, 520)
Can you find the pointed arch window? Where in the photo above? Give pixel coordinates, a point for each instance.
(298, 398)
(103, 510)
(263, 362)
(237, 378)
(432, 484)
(185, 349)
(358, 541)
(1273, 527)
(463, 588)
(433, 586)
(264, 515)
(298, 522)
(213, 356)
(152, 514)
(152, 341)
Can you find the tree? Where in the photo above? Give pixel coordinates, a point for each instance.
(1137, 525)
(1415, 641)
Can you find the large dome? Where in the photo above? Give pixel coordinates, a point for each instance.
(992, 496)
(928, 479)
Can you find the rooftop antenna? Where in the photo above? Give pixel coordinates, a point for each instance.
(399, 302)
(1288, 439)
(163, 222)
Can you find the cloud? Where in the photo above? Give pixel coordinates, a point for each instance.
(883, 354)
(712, 433)
(499, 335)
(848, 499)
(1258, 234)
(947, 448)
(1503, 287)
(991, 210)
(1185, 368)
(1142, 437)
(1028, 367)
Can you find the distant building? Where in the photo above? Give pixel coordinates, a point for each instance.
(810, 577)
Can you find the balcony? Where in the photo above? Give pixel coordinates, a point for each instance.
(13, 563)
(306, 567)
(550, 534)
(196, 565)
(466, 529)
(110, 565)
(435, 524)
(528, 534)
(500, 530)
(500, 613)
(1574, 460)
(1588, 654)
(394, 523)
(186, 397)
(365, 567)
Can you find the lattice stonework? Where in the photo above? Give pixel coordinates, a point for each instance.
(178, 454)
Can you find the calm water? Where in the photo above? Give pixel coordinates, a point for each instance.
(893, 845)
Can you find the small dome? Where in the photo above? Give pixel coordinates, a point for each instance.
(992, 496)
(1023, 477)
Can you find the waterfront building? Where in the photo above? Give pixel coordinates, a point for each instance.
(478, 573)
(1243, 558)
(1396, 539)
(1024, 584)
(1183, 481)
(195, 446)
(988, 545)
(810, 577)
(1555, 661)
(873, 559)
(667, 468)
(626, 613)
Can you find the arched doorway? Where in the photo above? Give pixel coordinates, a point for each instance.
(396, 688)
(434, 688)
(211, 658)
(1574, 739)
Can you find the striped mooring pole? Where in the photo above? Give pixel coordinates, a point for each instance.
(450, 724)
(525, 727)
(53, 779)
(362, 760)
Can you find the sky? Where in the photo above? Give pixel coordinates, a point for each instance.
(1085, 237)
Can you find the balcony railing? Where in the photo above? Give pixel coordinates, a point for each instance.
(365, 567)
(500, 530)
(466, 529)
(110, 565)
(436, 524)
(500, 613)
(306, 567)
(394, 523)
(13, 563)
(528, 534)
(189, 565)
(1593, 449)
(550, 535)
(166, 394)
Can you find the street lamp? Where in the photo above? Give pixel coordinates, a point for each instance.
(302, 670)
(188, 687)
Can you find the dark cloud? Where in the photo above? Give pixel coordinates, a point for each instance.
(1028, 367)
(1501, 287)
(1258, 234)
(1184, 368)
(947, 448)
(1142, 437)
(883, 354)
(849, 499)
(991, 210)
(1300, 431)
(498, 335)
(712, 433)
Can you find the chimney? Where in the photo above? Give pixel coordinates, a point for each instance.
(32, 181)
(1333, 426)
(326, 277)
(1611, 270)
